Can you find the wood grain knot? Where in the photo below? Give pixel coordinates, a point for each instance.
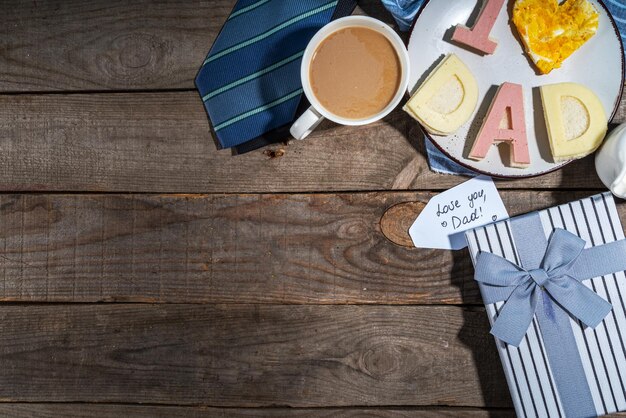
(132, 56)
(397, 220)
(353, 229)
(388, 362)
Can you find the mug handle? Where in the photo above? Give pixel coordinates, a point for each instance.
(306, 123)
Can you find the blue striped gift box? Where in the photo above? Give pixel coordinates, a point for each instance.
(602, 351)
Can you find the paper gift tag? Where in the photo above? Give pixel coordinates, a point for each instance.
(446, 216)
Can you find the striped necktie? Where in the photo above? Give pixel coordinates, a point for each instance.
(250, 81)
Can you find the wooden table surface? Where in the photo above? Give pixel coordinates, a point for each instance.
(144, 273)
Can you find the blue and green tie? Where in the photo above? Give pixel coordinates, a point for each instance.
(250, 81)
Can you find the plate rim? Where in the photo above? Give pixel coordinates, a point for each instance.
(557, 167)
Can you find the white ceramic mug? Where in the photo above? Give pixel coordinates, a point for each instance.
(611, 161)
(316, 113)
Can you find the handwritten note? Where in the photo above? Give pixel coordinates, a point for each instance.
(446, 216)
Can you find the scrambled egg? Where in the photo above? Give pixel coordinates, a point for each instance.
(552, 32)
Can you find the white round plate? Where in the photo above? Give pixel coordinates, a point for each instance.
(598, 64)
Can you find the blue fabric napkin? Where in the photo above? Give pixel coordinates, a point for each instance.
(404, 12)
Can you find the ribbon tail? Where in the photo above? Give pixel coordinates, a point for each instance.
(516, 315)
(580, 301)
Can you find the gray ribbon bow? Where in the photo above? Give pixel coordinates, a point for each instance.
(564, 266)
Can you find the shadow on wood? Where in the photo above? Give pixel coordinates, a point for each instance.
(490, 376)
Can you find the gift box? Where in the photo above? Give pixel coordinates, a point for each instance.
(554, 289)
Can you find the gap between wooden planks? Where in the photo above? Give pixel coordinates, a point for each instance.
(25, 410)
(284, 249)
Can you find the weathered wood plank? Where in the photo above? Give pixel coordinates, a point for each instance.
(62, 45)
(101, 45)
(25, 410)
(160, 142)
(313, 249)
(250, 355)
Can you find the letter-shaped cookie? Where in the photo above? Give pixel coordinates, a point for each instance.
(575, 119)
(507, 106)
(478, 36)
(446, 99)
